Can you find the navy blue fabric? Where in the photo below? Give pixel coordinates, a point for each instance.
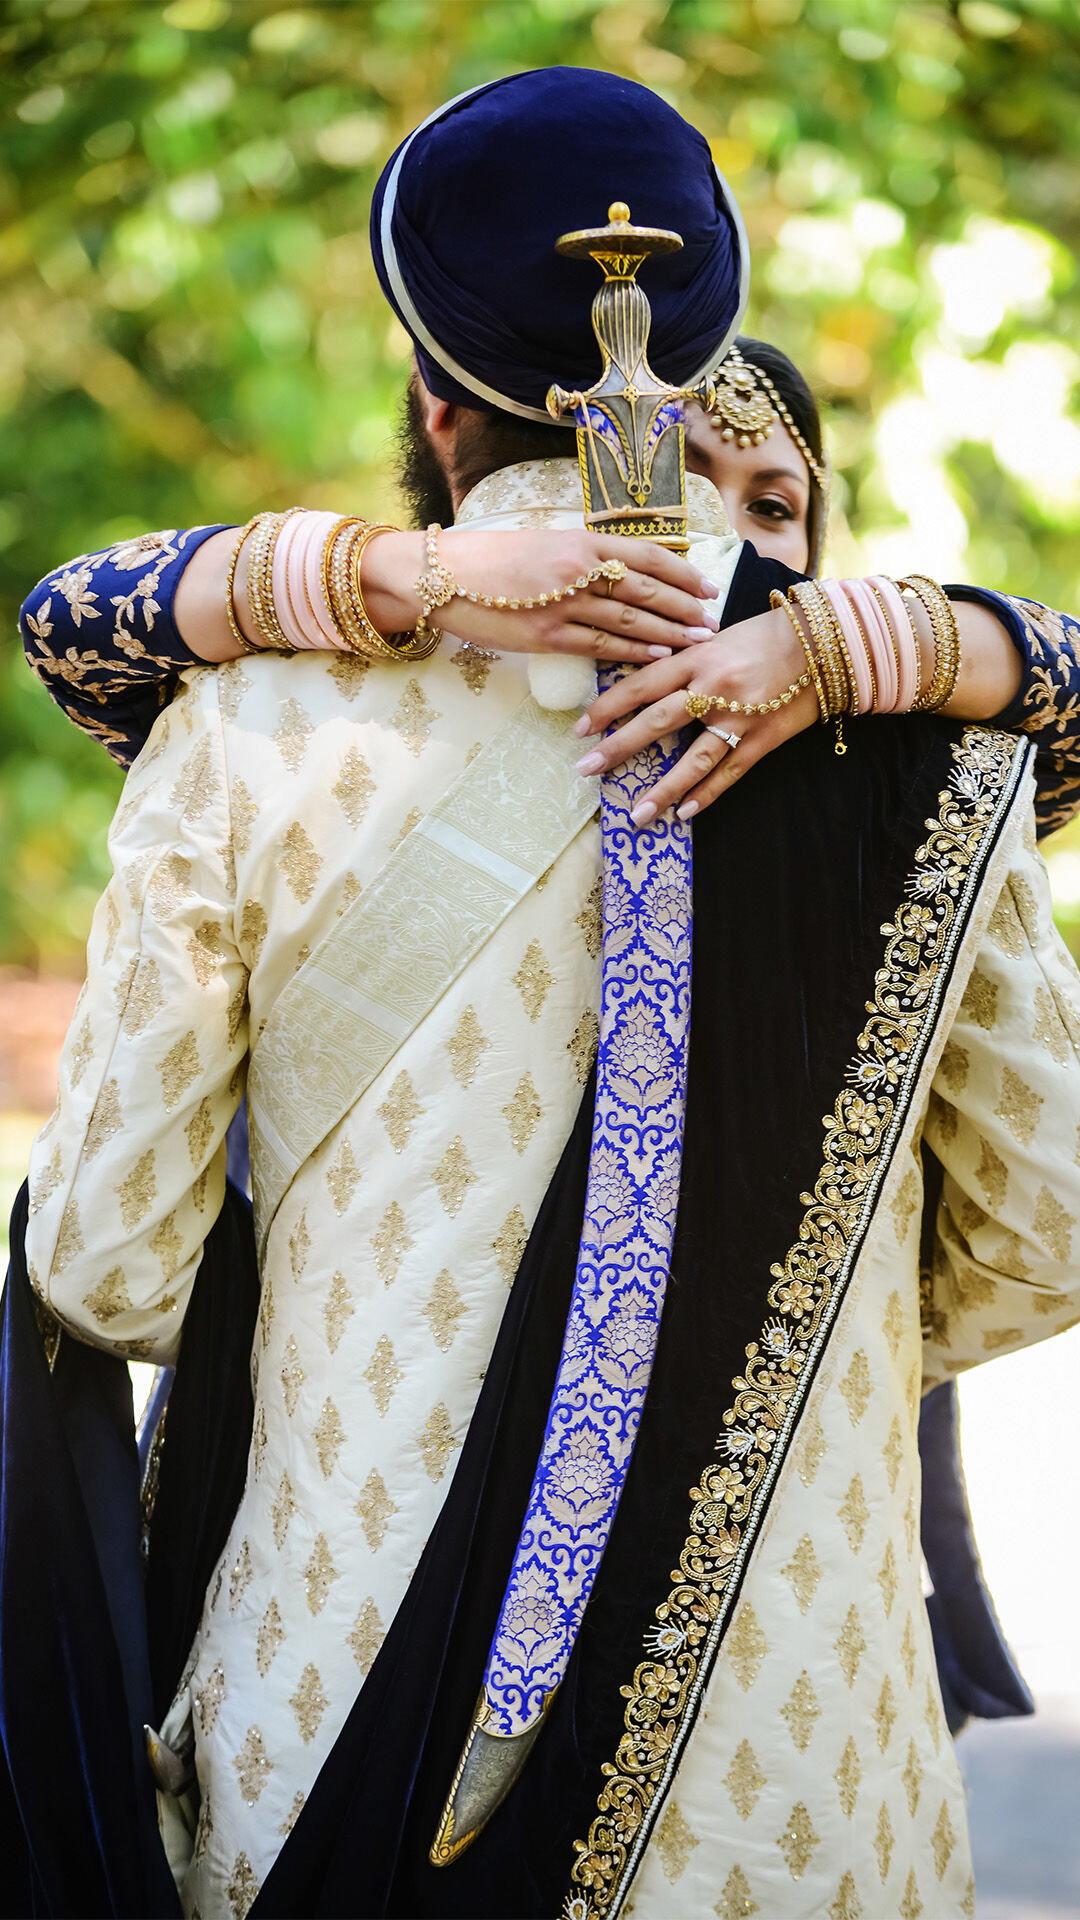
(90, 1649)
(487, 189)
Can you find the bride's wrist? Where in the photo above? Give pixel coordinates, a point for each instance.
(392, 565)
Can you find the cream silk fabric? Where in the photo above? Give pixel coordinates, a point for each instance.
(269, 794)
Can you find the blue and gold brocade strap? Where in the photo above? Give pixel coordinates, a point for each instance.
(1047, 705)
(99, 631)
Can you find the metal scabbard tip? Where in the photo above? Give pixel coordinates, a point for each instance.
(620, 212)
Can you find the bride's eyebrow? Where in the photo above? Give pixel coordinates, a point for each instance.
(765, 474)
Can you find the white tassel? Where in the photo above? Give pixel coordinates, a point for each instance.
(559, 681)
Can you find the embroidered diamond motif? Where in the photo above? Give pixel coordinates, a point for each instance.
(253, 1768)
(932, 1716)
(534, 979)
(884, 1842)
(329, 1437)
(804, 1573)
(888, 1578)
(905, 1202)
(590, 920)
(465, 1046)
(523, 1113)
(812, 1451)
(348, 671)
(343, 1177)
(736, 1902)
(801, 1711)
(338, 1309)
(138, 1190)
(850, 1645)
(375, 1509)
(848, 1776)
(911, 1905)
(436, 1442)
(943, 1841)
(798, 1840)
(168, 1246)
(907, 1650)
(443, 1311)
(199, 1132)
(856, 1388)
(269, 1638)
(292, 1376)
(1019, 1106)
(293, 1814)
(299, 862)
(1052, 1224)
(746, 1646)
(744, 1780)
(582, 1045)
(510, 1244)
(885, 1714)
(105, 1121)
(855, 1514)
(1049, 1029)
(319, 1572)
(309, 1703)
(354, 787)
(208, 1698)
(912, 1777)
(109, 1297)
(453, 1177)
(399, 1112)
(178, 1069)
(391, 1243)
(893, 1454)
(241, 1887)
(383, 1374)
(299, 1247)
(414, 718)
(992, 1174)
(241, 1577)
(847, 1905)
(412, 819)
(980, 1001)
(674, 1842)
(893, 1323)
(367, 1636)
(474, 665)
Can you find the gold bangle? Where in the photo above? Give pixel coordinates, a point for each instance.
(778, 599)
(261, 585)
(947, 651)
(356, 632)
(235, 628)
(824, 628)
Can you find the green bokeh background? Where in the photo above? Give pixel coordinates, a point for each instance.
(190, 327)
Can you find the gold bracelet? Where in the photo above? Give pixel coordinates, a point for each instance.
(357, 634)
(700, 705)
(947, 652)
(261, 584)
(437, 586)
(778, 599)
(416, 645)
(235, 628)
(824, 629)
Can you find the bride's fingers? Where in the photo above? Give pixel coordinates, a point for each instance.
(630, 622)
(664, 717)
(652, 683)
(655, 596)
(647, 557)
(591, 643)
(690, 791)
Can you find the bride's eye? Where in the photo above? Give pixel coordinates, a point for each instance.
(771, 508)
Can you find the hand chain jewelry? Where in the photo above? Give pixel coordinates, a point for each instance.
(437, 586)
(700, 705)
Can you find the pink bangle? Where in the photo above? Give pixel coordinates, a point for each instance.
(878, 643)
(322, 525)
(283, 605)
(849, 627)
(907, 647)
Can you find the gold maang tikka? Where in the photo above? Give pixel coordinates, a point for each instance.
(748, 406)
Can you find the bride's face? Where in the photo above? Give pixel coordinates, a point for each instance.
(765, 489)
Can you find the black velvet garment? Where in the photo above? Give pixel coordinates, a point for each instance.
(795, 872)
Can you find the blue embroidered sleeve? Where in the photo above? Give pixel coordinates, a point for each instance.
(1048, 702)
(100, 633)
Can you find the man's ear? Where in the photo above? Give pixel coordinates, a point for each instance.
(438, 416)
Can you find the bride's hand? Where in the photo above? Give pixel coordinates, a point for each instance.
(751, 662)
(657, 608)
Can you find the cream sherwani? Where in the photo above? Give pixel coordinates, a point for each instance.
(819, 1778)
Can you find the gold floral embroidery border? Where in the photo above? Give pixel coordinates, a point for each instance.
(860, 1136)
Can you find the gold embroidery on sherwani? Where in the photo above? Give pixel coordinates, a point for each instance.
(383, 1374)
(253, 1766)
(375, 1509)
(110, 1297)
(583, 1043)
(912, 1777)
(884, 1841)
(367, 1636)
(391, 1243)
(414, 717)
(309, 1703)
(291, 735)
(798, 1841)
(510, 1244)
(105, 1121)
(343, 1178)
(736, 1902)
(241, 1887)
(465, 1047)
(319, 1573)
(443, 1310)
(283, 1509)
(137, 1190)
(847, 1905)
(744, 1780)
(269, 1638)
(354, 787)
(436, 1442)
(1052, 1224)
(860, 1136)
(453, 1177)
(675, 1843)
(746, 1646)
(534, 979)
(208, 1698)
(337, 1311)
(523, 1113)
(293, 1814)
(590, 920)
(911, 1905)
(399, 1112)
(329, 1437)
(848, 1776)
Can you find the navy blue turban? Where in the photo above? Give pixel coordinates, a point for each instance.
(467, 212)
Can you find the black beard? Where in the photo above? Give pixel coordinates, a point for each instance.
(419, 475)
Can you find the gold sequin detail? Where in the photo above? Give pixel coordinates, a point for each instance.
(292, 1375)
(412, 819)
(534, 980)
(884, 1841)
(354, 787)
(813, 1449)
(590, 921)
(268, 1639)
(674, 1842)
(144, 1000)
(744, 1780)
(138, 1190)
(348, 671)
(1049, 1029)
(1052, 1224)
(1019, 1107)
(582, 1045)
(391, 1243)
(241, 1887)
(510, 1243)
(523, 1113)
(338, 1309)
(436, 1442)
(804, 1573)
(253, 930)
(980, 1001)
(1004, 926)
(109, 1297)
(82, 1052)
(885, 1714)
(444, 1309)
(954, 1067)
(243, 813)
(911, 1905)
(798, 1841)
(319, 1572)
(893, 1453)
(399, 1112)
(205, 950)
(848, 1776)
(453, 1177)
(253, 1766)
(178, 1070)
(908, 1651)
(414, 718)
(801, 1711)
(197, 783)
(232, 684)
(241, 1576)
(850, 1645)
(207, 1699)
(168, 1246)
(465, 1047)
(375, 1509)
(856, 1387)
(343, 1178)
(291, 735)
(199, 1132)
(746, 1646)
(847, 1905)
(736, 1902)
(329, 1437)
(912, 1777)
(855, 1514)
(69, 1240)
(474, 665)
(105, 1121)
(299, 1247)
(366, 1637)
(932, 1716)
(283, 1509)
(293, 1814)
(258, 1439)
(383, 1374)
(943, 1841)
(299, 862)
(309, 1703)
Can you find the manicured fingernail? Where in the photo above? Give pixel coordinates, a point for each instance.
(688, 810)
(711, 620)
(710, 587)
(592, 763)
(699, 633)
(660, 653)
(583, 727)
(643, 813)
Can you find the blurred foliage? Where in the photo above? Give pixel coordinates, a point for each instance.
(190, 326)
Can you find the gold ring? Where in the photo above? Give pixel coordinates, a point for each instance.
(609, 586)
(699, 705)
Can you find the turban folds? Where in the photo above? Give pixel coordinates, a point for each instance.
(467, 212)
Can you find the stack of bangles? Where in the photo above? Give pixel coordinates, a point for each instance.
(305, 590)
(862, 653)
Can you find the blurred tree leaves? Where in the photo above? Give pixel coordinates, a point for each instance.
(190, 326)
